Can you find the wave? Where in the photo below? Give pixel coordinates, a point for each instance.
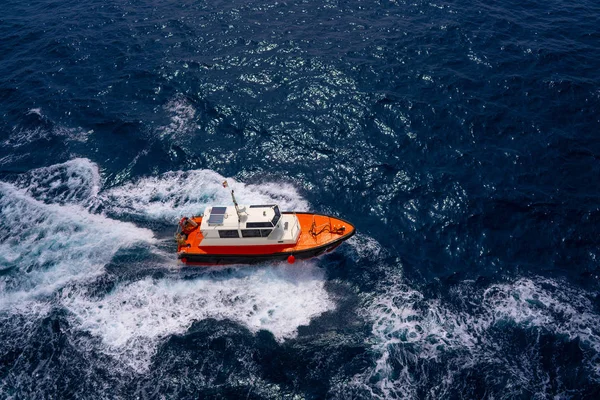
(415, 334)
(164, 198)
(60, 228)
(45, 246)
(135, 317)
(173, 194)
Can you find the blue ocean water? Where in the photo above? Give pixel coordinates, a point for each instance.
(461, 138)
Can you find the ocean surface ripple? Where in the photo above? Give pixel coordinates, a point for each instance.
(460, 137)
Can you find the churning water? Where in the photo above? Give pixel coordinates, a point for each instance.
(461, 138)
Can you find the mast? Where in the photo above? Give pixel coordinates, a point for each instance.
(237, 209)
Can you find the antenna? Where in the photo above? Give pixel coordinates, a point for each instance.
(237, 209)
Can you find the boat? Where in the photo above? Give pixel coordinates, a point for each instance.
(248, 234)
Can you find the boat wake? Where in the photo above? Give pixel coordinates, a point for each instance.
(60, 230)
(433, 347)
(169, 196)
(66, 254)
(45, 246)
(134, 318)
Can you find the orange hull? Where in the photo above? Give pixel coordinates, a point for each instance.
(318, 234)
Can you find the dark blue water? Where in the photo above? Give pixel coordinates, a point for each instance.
(462, 139)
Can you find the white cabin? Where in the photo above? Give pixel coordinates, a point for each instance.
(254, 225)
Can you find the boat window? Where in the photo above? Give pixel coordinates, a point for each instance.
(225, 233)
(250, 233)
(277, 215)
(265, 232)
(258, 224)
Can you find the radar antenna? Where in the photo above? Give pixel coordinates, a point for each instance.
(237, 208)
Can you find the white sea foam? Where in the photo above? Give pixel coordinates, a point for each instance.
(182, 121)
(21, 137)
(164, 197)
(135, 318)
(55, 238)
(366, 247)
(50, 244)
(409, 327)
(173, 194)
(36, 111)
(76, 181)
(546, 303)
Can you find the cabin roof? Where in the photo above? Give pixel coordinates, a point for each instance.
(225, 217)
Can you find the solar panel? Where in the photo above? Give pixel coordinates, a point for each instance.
(216, 219)
(218, 210)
